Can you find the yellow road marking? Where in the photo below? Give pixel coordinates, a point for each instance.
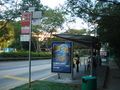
(16, 78)
(24, 79)
(48, 76)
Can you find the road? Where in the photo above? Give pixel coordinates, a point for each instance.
(13, 74)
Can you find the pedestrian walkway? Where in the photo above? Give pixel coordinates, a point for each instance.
(102, 72)
(66, 78)
(108, 77)
(114, 77)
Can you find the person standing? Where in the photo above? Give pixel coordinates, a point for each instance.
(94, 64)
(88, 65)
(77, 62)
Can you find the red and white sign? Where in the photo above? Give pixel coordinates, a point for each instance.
(25, 30)
(26, 19)
(25, 26)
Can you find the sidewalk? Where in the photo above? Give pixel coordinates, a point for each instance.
(66, 78)
(114, 77)
(102, 73)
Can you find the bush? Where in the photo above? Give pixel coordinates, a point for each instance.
(24, 54)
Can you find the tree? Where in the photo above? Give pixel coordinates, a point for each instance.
(10, 11)
(6, 35)
(108, 29)
(84, 9)
(105, 15)
(76, 32)
(88, 10)
(26, 4)
(17, 29)
(51, 19)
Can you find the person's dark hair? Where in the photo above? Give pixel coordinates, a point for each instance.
(94, 53)
(76, 55)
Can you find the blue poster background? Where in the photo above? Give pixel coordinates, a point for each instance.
(61, 57)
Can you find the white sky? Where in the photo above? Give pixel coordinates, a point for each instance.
(56, 3)
(52, 3)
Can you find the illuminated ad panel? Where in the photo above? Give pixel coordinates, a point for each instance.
(61, 57)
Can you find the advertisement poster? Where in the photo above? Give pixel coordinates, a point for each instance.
(61, 57)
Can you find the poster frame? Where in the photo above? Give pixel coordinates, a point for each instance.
(69, 57)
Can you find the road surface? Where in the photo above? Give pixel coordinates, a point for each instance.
(13, 73)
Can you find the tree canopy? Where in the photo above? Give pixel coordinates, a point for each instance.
(108, 28)
(6, 35)
(104, 14)
(52, 19)
(76, 31)
(12, 10)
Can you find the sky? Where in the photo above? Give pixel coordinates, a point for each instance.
(52, 3)
(79, 24)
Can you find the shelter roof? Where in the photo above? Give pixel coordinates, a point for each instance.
(81, 39)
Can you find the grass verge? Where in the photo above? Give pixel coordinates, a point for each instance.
(47, 85)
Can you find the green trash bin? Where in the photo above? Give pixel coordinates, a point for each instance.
(89, 83)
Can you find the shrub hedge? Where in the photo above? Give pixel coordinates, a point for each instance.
(24, 54)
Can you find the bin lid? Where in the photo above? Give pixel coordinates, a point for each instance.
(88, 77)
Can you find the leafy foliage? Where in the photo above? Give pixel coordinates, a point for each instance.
(108, 29)
(84, 9)
(17, 28)
(51, 20)
(76, 32)
(25, 54)
(104, 14)
(6, 35)
(25, 4)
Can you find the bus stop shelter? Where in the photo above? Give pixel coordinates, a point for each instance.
(86, 40)
(90, 42)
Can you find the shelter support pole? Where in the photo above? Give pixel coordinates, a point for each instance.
(59, 76)
(91, 67)
(72, 69)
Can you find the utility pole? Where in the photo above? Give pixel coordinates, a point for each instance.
(31, 10)
(34, 15)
